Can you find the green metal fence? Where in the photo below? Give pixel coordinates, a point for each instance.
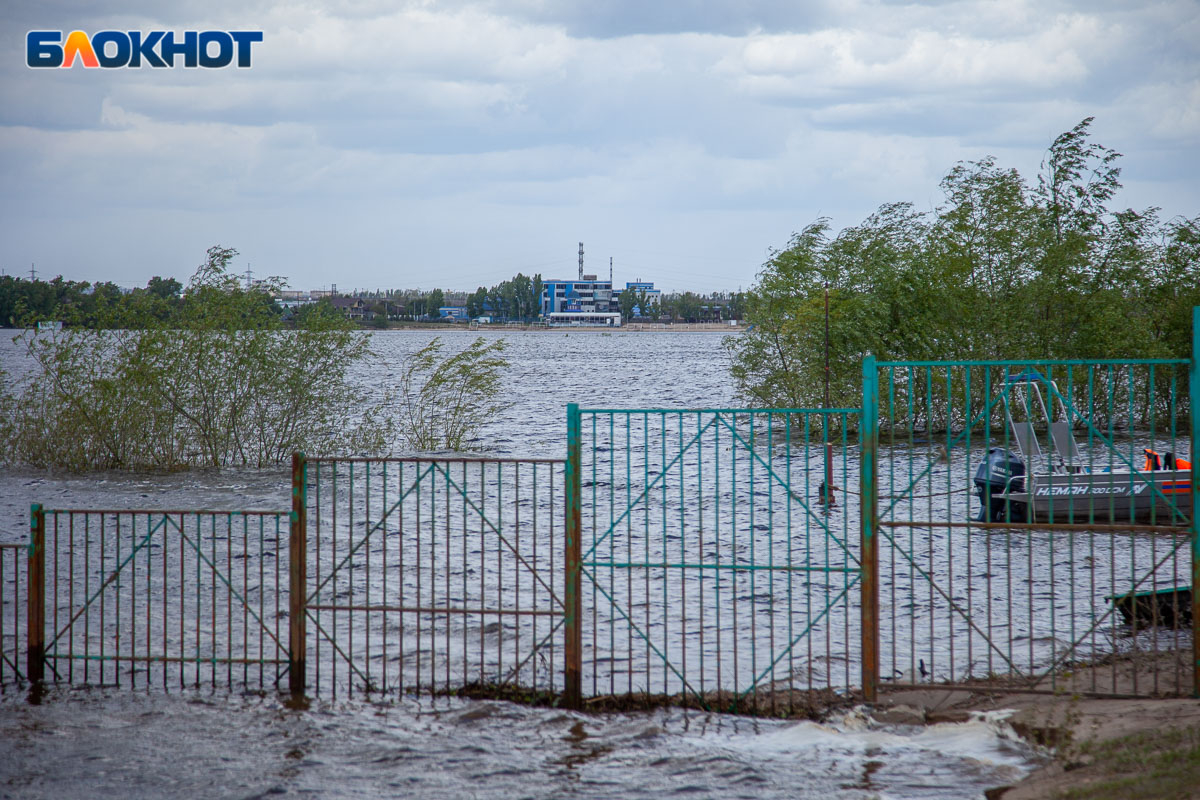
(1074, 573)
(711, 567)
(433, 574)
(158, 598)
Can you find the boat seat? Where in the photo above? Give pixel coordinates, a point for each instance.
(1064, 442)
(1027, 441)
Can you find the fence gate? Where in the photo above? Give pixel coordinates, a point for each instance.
(1078, 575)
(711, 568)
(432, 574)
(158, 598)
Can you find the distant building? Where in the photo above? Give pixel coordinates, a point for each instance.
(353, 307)
(586, 296)
(454, 313)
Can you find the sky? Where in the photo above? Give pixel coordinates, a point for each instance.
(453, 144)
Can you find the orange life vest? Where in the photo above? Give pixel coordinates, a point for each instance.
(1169, 461)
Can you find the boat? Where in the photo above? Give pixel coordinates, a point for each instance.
(1058, 485)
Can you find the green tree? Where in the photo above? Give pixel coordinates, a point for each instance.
(446, 400)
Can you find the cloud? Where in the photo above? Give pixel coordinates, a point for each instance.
(417, 138)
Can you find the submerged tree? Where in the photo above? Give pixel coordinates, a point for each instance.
(1000, 270)
(226, 383)
(445, 401)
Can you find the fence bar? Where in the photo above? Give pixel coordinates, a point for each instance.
(36, 595)
(298, 577)
(573, 646)
(869, 558)
(1194, 392)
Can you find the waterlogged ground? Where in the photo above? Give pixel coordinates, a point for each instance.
(94, 743)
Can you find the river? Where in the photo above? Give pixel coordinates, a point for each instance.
(82, 743)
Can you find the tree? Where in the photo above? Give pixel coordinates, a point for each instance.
(434, 302)
(626, 302)
(222, 382)
(999, 270)
(445, 401)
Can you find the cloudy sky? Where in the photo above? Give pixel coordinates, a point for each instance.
(452, 144)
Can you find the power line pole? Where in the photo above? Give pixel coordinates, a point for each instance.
(581, 261)
(33, 271)
(248, 275)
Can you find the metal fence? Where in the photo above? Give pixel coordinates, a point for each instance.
(158, 598)
(1076, 573)
(750, 560)
(12, 614)
(434, 574)
(712, 566)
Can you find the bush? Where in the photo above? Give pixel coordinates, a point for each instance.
(445, 402)
(225, 384)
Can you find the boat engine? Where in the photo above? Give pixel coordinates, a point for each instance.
(1001, 472)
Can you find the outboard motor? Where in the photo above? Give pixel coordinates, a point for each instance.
(1002, 471)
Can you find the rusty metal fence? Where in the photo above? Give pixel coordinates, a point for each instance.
(13, 559)
(434, 574)
(158, 598)
(748, 560)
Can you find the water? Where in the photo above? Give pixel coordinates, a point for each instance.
(456, 748)
(134, 745)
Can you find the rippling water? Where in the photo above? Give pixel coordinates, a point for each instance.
(149, 745)
(132, 745)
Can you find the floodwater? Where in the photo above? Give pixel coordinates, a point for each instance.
(99, 743)
(88, 742)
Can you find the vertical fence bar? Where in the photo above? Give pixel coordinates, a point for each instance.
(1194, 409)
(573, 625)
(868, 443)
(298, 577)
(36, 595)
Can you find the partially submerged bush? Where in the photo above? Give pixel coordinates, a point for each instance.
(228, 385)
(444, 402)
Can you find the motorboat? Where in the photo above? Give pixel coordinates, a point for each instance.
(1058, 484)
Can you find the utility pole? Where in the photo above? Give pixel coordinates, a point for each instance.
(581, 261)
(33, 269)
(248, 275)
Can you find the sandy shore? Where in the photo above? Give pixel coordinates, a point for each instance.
(1068, 726)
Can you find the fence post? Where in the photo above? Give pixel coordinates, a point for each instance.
(298, 576)
(1194, 413)
(573, 647)
(35, 596)
(869, 561)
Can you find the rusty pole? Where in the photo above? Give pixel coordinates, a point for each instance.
(869, 564)
(298, 577)
(573, 627)
(1194, 396)
(35, 653)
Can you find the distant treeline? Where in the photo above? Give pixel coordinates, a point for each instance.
(1002, 269)
(80, 304)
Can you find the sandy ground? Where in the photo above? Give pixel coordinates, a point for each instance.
(1059, 722)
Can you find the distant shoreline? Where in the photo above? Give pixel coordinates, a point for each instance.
(632, 327)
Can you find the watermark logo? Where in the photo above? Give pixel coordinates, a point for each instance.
(159, 49)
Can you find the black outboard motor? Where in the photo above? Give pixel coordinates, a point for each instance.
(1002, 471)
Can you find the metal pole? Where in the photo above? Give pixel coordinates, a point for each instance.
(828, 497)
(1194, 407)
(298, 577)
(35, 653)
(573, 647)
(868, 444)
